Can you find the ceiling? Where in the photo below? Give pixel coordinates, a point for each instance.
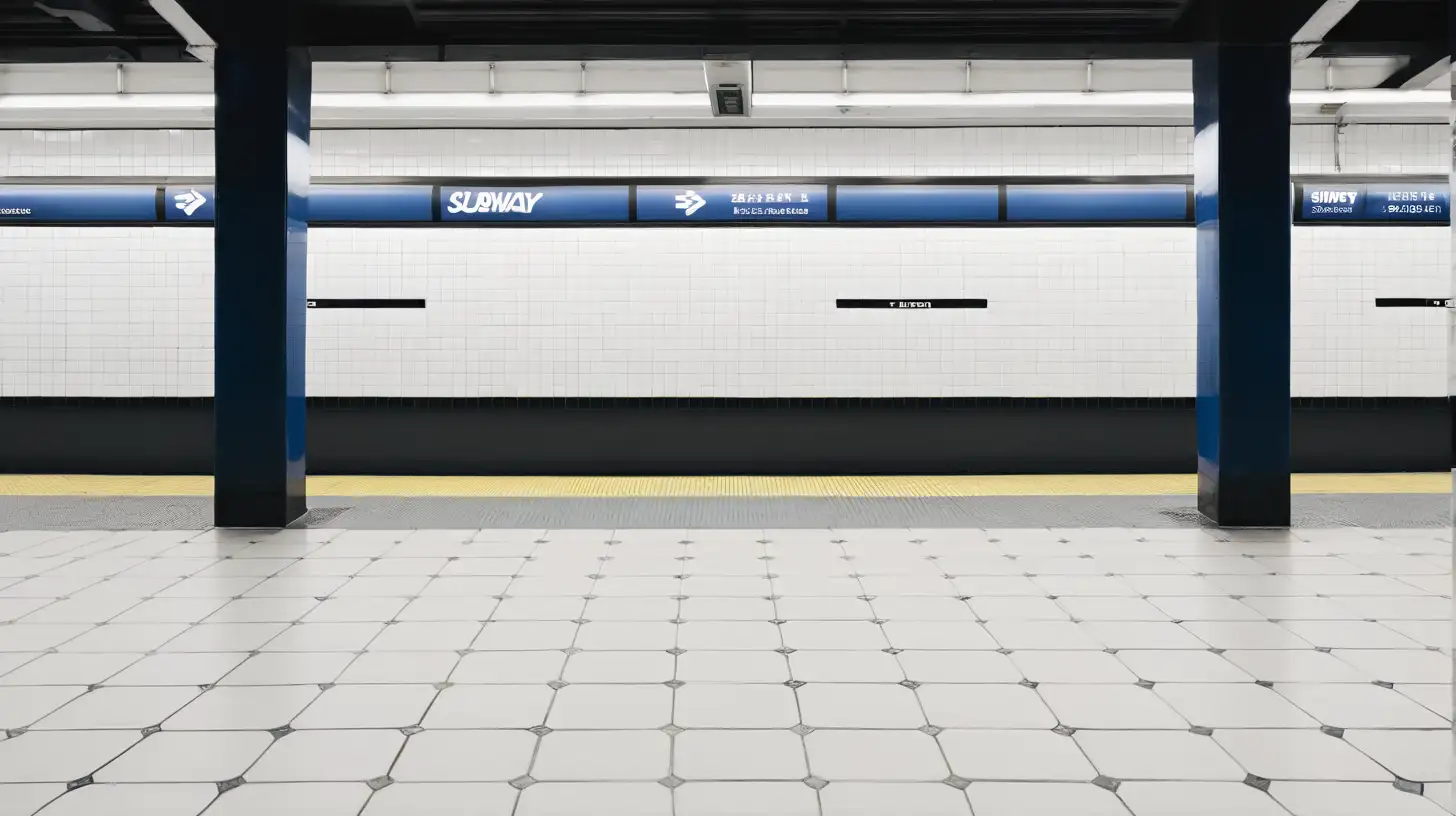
(473, 30)
(136, 33)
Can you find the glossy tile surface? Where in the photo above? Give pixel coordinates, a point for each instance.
(1114, 672)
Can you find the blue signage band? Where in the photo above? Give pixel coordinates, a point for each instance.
(950, 202)
(1384, 202)
(1097, 203)
(917, 203)
(759, 202)
(76, 204)
(512, 204)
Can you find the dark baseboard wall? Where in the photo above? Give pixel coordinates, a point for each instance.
(716, 436)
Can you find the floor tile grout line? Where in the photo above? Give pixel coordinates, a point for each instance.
(878, 613)
(555, 692)
(672, 737)
(803, 739)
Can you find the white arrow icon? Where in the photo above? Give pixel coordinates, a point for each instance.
(690, 202)
(190, 201)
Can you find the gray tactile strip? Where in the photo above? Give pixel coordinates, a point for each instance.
(110, 513)
(105, 513)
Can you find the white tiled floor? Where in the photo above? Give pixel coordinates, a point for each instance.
(1101, 672)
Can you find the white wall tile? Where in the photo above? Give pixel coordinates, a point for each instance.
(105, 311)
(723, 151)
(1341, 344)
(127, 311)
(750, 312)
(92, 153)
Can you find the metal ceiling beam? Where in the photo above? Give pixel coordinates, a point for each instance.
(1370, 48)
(88, 15)
(1275, 21)
(200, 44)
(807, 51)
(650, 11)
(696, 28)
(89, 53)
(501, 30)
(1423, 68)
(1309, 36)
(381, 53)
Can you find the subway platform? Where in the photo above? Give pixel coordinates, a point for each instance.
(976, 646)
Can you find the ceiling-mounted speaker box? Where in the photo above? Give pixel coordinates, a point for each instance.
(730, 86)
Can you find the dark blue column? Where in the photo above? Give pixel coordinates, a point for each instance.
(261, 248)
(1451, 312)
(1243, 206)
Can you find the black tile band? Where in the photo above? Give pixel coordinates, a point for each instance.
(646, 436)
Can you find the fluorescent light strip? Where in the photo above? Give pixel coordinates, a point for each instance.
(481, 101)
(1077, 99)
(1372, 96)
(973, 100)
(512, 101)
(105, 101)
(1435, 101)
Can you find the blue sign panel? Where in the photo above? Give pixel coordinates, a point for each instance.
(1376, 202)
(1334, 203)
(78, 204)
(890, 203)
(1097, 203)
(734, 202)
(506, 204)
(1409, 202)
(326, 203)
(188, 203)
(369, 202)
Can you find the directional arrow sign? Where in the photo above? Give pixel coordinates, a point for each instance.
(749, 202)
(689, 202)
(189, 201)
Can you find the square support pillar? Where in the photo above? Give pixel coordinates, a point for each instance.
(261, 249)
(1451, 307)
(1243, 210)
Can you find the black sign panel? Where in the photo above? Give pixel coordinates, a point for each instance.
(935, 303)
(366, 303)
(1412, 303)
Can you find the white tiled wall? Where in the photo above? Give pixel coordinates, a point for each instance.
(725, 151)
(750, 312)
(715, 312)
(1341, 344)
(105, 311)
(91, 153)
